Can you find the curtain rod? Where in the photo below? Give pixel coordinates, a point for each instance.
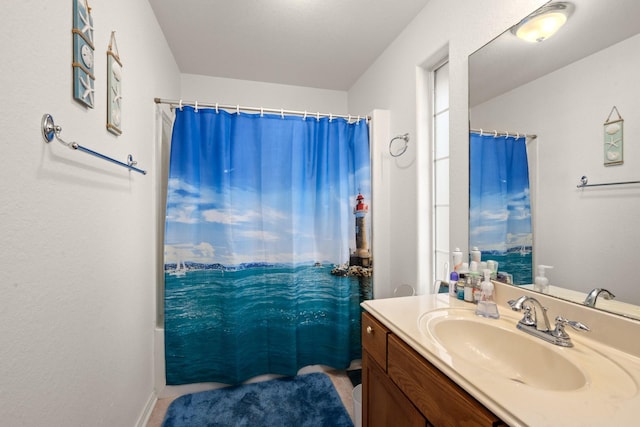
(173, 103)
(496, 133)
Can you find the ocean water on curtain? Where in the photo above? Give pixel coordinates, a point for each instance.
(197, 331)
(519, 265)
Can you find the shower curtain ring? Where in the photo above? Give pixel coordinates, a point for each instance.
(196, 106)
(180, 104)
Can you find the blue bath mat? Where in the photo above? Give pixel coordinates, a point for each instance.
(305, 400)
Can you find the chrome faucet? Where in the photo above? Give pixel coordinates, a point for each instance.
(529, 322)
(590, 301)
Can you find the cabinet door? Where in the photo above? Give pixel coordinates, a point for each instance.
(441, 400)
(383, 404)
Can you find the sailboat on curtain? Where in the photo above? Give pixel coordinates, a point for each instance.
(180, 270)
(272, 203)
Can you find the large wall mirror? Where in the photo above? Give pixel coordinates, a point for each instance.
(563, 90)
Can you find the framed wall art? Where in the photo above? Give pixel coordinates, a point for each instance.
(114, 87)
(613, 139)
(83, 49)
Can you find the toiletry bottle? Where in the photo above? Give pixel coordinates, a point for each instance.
(493, 266)
(462, 280)
(476, 254)
(475, 279)
(457, 259)
(487, 306)
(468, 289)
(453, 281)
(541, 282)
(477, 289)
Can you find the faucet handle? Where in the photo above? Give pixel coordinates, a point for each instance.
(560, 324)
(528, 319)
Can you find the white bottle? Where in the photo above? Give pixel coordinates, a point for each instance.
(457, 259)
(453, 283)
(476, 254)
(487, 306)
(541, 282)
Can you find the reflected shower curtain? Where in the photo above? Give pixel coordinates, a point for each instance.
(260, 234)
(499, 206)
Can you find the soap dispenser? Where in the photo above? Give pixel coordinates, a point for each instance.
(487, 306)
(541, 282)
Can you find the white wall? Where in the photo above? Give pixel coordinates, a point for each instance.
(259, 94)
(396, 82)
(586, 234)
(77, 253)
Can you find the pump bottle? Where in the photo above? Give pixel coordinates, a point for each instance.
(541, 282)
(487, 306)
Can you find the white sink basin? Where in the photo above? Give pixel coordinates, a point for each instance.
(497, 346)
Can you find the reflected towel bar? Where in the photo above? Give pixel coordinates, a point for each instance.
(584, 180)
(50, 130)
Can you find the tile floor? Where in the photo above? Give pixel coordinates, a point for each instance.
(340, 380)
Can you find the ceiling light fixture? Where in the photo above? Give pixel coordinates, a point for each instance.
(543, 23)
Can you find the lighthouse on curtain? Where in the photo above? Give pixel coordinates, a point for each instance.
(361, 256)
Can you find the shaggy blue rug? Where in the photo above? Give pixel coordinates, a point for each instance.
(305, 400)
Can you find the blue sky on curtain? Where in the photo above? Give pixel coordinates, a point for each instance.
(260, 210)
(499, 206)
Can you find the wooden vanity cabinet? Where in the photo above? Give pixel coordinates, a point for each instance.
(383, 404)
(401, 388)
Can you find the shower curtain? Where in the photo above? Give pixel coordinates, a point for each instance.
(499, 206)
(265, 266)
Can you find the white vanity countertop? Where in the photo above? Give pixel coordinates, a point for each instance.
(606, 399)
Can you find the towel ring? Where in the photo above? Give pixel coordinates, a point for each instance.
(399, 150)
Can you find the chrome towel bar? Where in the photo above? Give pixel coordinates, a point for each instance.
(584, 180)
(51, 130)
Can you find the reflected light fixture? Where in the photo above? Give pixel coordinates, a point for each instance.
(543, 23)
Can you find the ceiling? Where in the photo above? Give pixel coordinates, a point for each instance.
(323, 44)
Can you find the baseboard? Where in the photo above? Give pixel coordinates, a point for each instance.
(143, 419)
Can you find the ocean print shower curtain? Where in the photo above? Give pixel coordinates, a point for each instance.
(499, 205)
(266, 250)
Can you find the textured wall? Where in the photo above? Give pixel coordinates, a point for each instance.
(77, 304)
